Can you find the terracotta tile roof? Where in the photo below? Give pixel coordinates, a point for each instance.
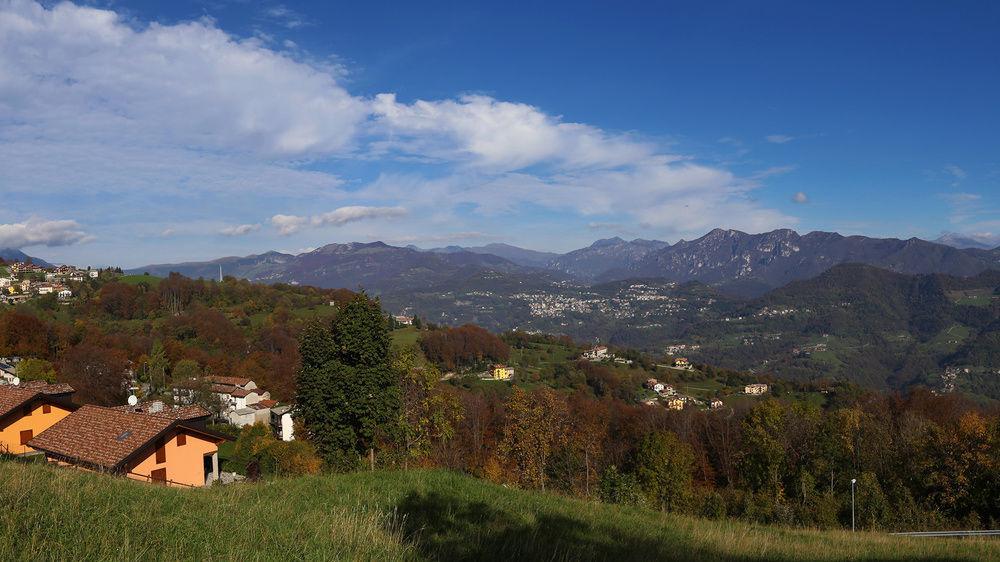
(48, 388)
(232, 381)
(233, 390)
(13, 397)
(173, 412)
(100, 437)
(268, 403)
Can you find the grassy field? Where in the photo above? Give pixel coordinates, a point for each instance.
(405, 336)
(56, 514)
(151, 280)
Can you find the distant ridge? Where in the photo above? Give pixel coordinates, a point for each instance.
(13, 254)
(734, 261)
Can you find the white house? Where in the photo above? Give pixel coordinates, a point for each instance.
(596, 353)
(755, 389)
(281, 421)
(404, 320)
(65, 294)
(93, 273)
(675, 403)
(715, 404)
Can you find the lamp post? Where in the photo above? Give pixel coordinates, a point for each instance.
(853, 482)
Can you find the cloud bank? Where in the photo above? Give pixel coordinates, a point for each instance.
(39, 232)
(190, 116)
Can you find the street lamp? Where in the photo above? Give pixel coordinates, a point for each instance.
(853, 482)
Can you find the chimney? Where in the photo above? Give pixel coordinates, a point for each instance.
(156, 407)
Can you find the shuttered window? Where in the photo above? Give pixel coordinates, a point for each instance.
(26, 436)
(46, 408)
(159, 475)
(182, 439)
(161, 454)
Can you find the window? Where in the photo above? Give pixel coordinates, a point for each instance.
(159, 475)
(182, 439)
(26, 436)
(161, 454)
(46, 408)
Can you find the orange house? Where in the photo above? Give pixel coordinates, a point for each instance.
(145, 446)
(29, 409)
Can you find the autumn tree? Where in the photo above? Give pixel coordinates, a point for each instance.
(535, 426)
(24, 335)
(97, 373)
(463, 347)
(430, 412)
(664, 466)
(36, 370)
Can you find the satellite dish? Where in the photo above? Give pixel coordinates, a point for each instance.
(16, 381)
(132, 400)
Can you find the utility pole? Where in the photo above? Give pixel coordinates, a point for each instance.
(853, 482)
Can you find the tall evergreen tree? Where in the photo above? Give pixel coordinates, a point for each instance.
(348, 394)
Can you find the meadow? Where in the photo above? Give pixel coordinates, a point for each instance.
(57, 514)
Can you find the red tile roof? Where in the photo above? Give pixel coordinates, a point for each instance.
(13, 397)
(173, 412)
(232, 390)
(232, 381)
(48, 388)
(100, 437)
(268, 403)
(105, 438)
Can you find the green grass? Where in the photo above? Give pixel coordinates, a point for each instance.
(52, 513)
(405, 336)
(151, 280)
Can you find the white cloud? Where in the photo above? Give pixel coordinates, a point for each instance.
(285, 16)
(956, 174)
(779, 139)
(239, 230)
(498, 135)
(84, 74)
(800, 198)
(40, 232)
(186, 114)
(289, 224)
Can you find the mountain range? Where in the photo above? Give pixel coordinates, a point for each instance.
(11, 255)
(735, 262)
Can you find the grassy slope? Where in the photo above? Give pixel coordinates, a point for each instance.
(55, 513)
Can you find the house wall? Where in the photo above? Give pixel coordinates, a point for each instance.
(184, 463)
(37, 422)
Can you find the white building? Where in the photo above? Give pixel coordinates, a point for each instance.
(715, 404)
(597, 353)
(93, 273)
(281, 421)
(755, 389)
(65, 294)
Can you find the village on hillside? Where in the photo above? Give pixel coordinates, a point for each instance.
(22, 281)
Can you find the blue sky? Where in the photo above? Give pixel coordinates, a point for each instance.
(138, 132)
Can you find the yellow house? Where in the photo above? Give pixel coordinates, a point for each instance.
(26, 411)
(143, 446)
(502, 372)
